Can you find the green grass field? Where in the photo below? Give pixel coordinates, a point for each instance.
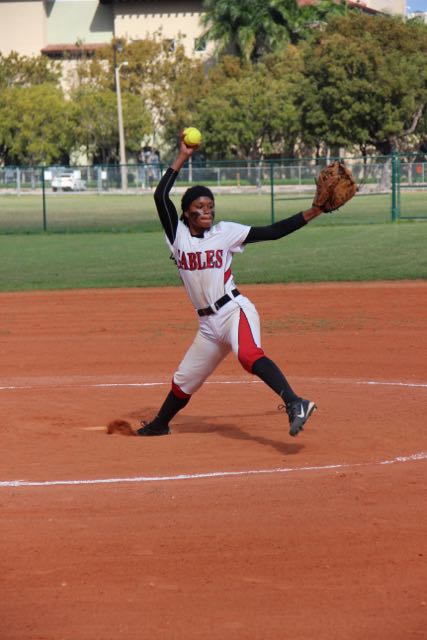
(92, 212)
(116, 241)
(313, 254)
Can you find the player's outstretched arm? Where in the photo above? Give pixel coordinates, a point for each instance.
(282, 228)
(311, 213)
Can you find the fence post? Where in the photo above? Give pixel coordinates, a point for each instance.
(395, 186)
(99, 179)
(44, 201)
(273, 215)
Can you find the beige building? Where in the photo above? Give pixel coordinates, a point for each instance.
(31, 27)
(392, 7)
(53, 27)
(171, 19)
(419, 14)
(23, 27)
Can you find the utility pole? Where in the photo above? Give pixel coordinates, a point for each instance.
(118, 48)
(122, 148)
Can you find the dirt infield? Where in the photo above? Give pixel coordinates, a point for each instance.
(229, 528)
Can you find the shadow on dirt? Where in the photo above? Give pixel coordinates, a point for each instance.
(205, 425)
(230, 430)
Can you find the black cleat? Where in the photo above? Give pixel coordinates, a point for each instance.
(299, 412)
(153, 428)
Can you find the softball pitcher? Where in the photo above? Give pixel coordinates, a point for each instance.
(228, 321)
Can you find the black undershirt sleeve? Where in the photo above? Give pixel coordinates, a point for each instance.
(169, 217)
(276, 230)
(165, 207)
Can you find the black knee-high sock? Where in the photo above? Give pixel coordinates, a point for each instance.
(270, 373)
(170, 408)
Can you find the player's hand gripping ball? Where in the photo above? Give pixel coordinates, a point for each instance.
(192, 137)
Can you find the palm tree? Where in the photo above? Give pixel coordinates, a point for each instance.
(300, 21)
(240, 27)
(250, 28)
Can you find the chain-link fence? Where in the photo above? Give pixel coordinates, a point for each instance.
(120, 198)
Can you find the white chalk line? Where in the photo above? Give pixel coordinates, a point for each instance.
(422, 455)
(112, 385)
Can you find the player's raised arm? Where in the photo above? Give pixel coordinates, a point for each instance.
(165, 207)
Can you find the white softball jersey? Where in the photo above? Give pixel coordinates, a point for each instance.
(205, 263)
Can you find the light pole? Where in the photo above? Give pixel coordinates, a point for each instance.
(123, 168)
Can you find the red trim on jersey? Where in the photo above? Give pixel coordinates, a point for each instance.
(249, 352)
(227, 275)
(178, 392)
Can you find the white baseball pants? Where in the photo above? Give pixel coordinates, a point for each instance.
(235, 327)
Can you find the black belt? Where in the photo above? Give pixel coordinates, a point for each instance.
(208, 311)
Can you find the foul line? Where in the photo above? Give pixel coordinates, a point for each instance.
(422, 455)
(110, 385)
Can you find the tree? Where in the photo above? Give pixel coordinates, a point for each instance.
(248, 111)
(23, 71)
(243, 28)
(252, 28)
(161, 75)
(283, 74)
(34, 125)
(301, 22)
(365, 83)
(422, 133)
(95, 122)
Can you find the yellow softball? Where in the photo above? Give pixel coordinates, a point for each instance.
(192, 137)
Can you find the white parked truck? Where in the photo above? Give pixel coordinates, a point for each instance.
(68, 181)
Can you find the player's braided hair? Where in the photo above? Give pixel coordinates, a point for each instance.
(198, 191)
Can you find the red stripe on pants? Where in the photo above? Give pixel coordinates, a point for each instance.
(249, 352)
(179, 392)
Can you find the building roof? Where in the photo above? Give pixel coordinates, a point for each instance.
(71, 50)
